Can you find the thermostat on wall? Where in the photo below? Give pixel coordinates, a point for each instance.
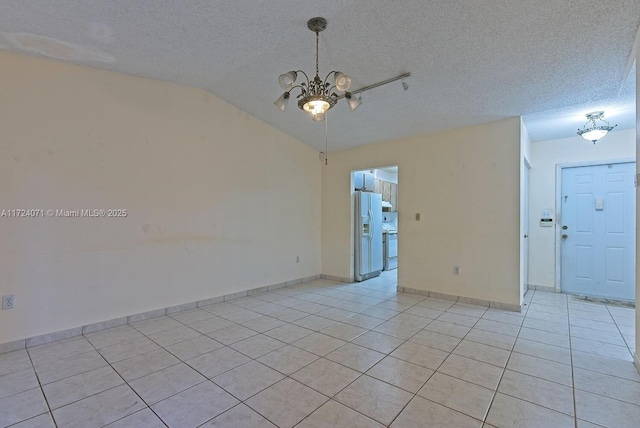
(546, 218)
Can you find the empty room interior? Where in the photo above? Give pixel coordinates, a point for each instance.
(434, 224)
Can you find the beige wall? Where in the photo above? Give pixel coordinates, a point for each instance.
(465, 183)
(545, 155)
(217, 201)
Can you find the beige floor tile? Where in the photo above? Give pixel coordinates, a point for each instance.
(543, 350)
(458, 319)
(14, 361)
(606, 411)
(262, 323)
(334, 414)
(59, 349)
(22, 406)
(257, 346)
(143, 418)
(610, 366)
(363, 321)
(78, 387)
(111, 336)
(210, 325)
(343, 331)
(492, 339)
(69, 366)
(131, 348)
(248, 379)
(424, 413)
(498, 327)
(544, 337)
(378, 341)
(402, 374)
(448, 329)
(289, 333)
(504, 316)
(601, 349)
(541, 368)
(232, 334)
(376, 399)
(288, 359)
(100, 409)
(191, 316)
(286, 403)
(382, 313)
(485, 353)
(165, 383)
(435, 340)
(508, 411)
(411, 320)
(608, 386)
(174, 335)
(241, 315)
(538, 391)
(473, 371)
(319, 344)
(326, 376)
(239, 416)
(469, 310)
(15, 382)
(217, 362)
(194, 406)
(314, 322)
(400, 331)
(465, 397)
(424, 356)
(144, 364)
(424, 312)
(356, 357)
(42, 421)
(194, 347)
(154, 325)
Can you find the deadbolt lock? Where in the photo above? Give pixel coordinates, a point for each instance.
(565, 227)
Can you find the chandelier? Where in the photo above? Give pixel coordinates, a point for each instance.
(595, 132)
(317, 96)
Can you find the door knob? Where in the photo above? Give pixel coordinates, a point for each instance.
(565, 236)
(565, 227)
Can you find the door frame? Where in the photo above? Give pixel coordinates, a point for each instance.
(558, 228)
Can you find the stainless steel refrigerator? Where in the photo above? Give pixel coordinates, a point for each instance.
(368, 239)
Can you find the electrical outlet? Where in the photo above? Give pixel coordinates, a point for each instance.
(417, 216)
(7, 302)
(456, 270)
(297, 259)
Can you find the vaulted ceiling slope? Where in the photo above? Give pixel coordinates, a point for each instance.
(470, 61)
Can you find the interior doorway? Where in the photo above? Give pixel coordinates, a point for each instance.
(597, 230)
(382, 181)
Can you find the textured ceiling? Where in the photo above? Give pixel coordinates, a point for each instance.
(551, 61)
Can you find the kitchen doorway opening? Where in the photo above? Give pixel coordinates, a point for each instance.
(374, 250)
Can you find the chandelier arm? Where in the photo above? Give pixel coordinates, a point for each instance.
(328, 75)
(305, 76)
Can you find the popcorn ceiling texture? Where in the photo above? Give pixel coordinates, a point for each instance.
(471, 62)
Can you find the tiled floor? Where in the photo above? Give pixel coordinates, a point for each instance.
(324, 354)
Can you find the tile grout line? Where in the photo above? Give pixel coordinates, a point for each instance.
(33, 367)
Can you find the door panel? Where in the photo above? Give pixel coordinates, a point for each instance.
(598, 244)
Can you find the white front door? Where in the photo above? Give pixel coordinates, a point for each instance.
(598, 231)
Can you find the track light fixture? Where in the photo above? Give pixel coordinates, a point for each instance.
(595, 132)
(317, 96)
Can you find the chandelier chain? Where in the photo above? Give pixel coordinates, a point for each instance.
(317, 67)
